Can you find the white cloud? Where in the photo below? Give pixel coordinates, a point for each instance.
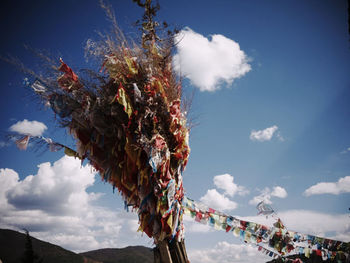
(217, 201)
(26, 127)
(279, 192)
(264, 135)
(54, 205)
(8, 179)
(342, 186)
(226, 183)
(266, 194)
(206, 62)
(56, 189)
(225, 252)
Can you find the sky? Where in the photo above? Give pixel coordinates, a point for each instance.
(271, 106)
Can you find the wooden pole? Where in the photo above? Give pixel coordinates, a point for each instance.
(170, 252)
(162, 253)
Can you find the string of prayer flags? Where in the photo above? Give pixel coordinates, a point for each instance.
(275, 240)
(267, 252)
(23, 141)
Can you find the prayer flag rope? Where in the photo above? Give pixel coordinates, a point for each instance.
(22, 143)
(274, 241)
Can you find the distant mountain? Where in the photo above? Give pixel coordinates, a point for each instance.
(12, 247)
(137, 254)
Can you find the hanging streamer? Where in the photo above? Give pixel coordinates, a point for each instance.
(276, 241)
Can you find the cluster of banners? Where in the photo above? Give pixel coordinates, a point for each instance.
(274, 241)
(129, 125)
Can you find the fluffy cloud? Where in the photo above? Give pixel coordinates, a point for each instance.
(208, 62)
(54, 205)
(342, 186)
(57, 189)
(279, 192)
(266, 194)
(265, 135)
(8, 179)
(33, 128)
(218, 201)
(226, 183)
(225, 252)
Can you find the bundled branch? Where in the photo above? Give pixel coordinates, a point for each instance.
(128, 123)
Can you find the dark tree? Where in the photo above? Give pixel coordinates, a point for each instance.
(29, 256)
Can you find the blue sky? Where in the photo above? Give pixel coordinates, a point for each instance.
(297, 85)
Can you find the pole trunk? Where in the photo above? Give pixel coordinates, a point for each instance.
(170, 252)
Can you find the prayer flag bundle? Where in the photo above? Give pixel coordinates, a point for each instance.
(128, 122)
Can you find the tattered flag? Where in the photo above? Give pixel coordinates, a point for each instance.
(38, 87)
(22, 143)
(264, 209)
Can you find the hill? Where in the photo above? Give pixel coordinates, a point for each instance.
(12, 247)
(136, 254)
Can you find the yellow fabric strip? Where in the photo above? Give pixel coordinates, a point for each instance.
(124, 100)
